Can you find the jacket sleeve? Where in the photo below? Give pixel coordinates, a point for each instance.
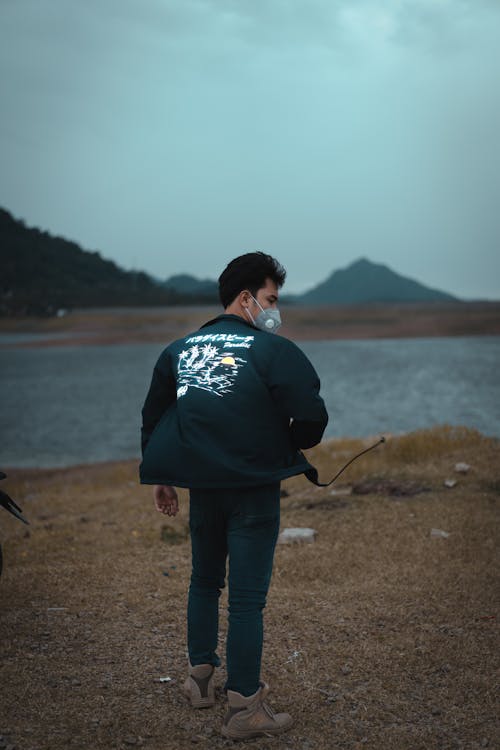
(162, 393)
(294, 386)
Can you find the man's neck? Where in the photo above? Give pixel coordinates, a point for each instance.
(236, 309)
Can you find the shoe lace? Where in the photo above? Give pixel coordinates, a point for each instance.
(267, 708)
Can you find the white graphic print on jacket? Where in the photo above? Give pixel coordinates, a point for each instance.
(209, 367)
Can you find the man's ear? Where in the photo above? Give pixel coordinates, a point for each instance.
(245, 298)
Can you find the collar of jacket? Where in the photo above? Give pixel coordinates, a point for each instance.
(229, 318)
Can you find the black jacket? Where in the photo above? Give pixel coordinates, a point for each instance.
(230, 406)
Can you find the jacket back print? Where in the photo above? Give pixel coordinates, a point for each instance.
(230, 406)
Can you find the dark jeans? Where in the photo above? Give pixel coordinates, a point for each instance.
(241, 524)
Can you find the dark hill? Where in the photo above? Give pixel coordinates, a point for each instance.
(185, 284)
(366, 282)
(42, 273)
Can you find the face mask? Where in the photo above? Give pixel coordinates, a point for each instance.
(267, 320)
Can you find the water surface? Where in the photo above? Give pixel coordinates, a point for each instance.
(65, 405)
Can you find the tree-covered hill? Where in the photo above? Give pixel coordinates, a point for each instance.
(186, 284)
(41, 274)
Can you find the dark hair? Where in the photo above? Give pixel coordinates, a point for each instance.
(249, 271)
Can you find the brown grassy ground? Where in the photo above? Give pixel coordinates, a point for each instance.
(378, 635)
(121, 325)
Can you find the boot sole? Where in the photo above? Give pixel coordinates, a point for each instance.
(234, 734)
(203, 703)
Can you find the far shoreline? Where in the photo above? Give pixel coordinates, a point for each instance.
(109, 326)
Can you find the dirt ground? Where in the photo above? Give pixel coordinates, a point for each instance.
(380, 634)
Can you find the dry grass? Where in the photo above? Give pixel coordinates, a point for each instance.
(377, 635)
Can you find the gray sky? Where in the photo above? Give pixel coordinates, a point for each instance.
(172, 135)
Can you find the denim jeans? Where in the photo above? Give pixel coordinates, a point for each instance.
(240, 524)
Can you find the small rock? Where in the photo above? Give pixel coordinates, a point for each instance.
(342, 491)
(436, 711)
(444, 669)
(462, 468)
(289, 536)
(440, 533)
(450, 483)
(130, 740)
(346, 669)
(484, 742)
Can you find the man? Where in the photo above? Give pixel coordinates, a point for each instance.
(228, 409)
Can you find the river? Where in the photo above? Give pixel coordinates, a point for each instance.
(79, 404)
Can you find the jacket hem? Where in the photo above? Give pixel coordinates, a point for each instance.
(243, 482)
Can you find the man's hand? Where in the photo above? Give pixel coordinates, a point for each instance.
(166, 500)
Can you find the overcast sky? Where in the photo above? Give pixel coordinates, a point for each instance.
(172, 135)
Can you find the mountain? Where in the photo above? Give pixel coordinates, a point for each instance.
(185, 284)
(41, 273)
(364, 282)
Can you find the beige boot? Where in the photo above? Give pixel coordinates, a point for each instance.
(252, 716)
(199, 686)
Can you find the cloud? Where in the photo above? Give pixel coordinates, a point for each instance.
(276, 123)
(332, 24)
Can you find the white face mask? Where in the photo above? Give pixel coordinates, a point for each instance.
(267, 320)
